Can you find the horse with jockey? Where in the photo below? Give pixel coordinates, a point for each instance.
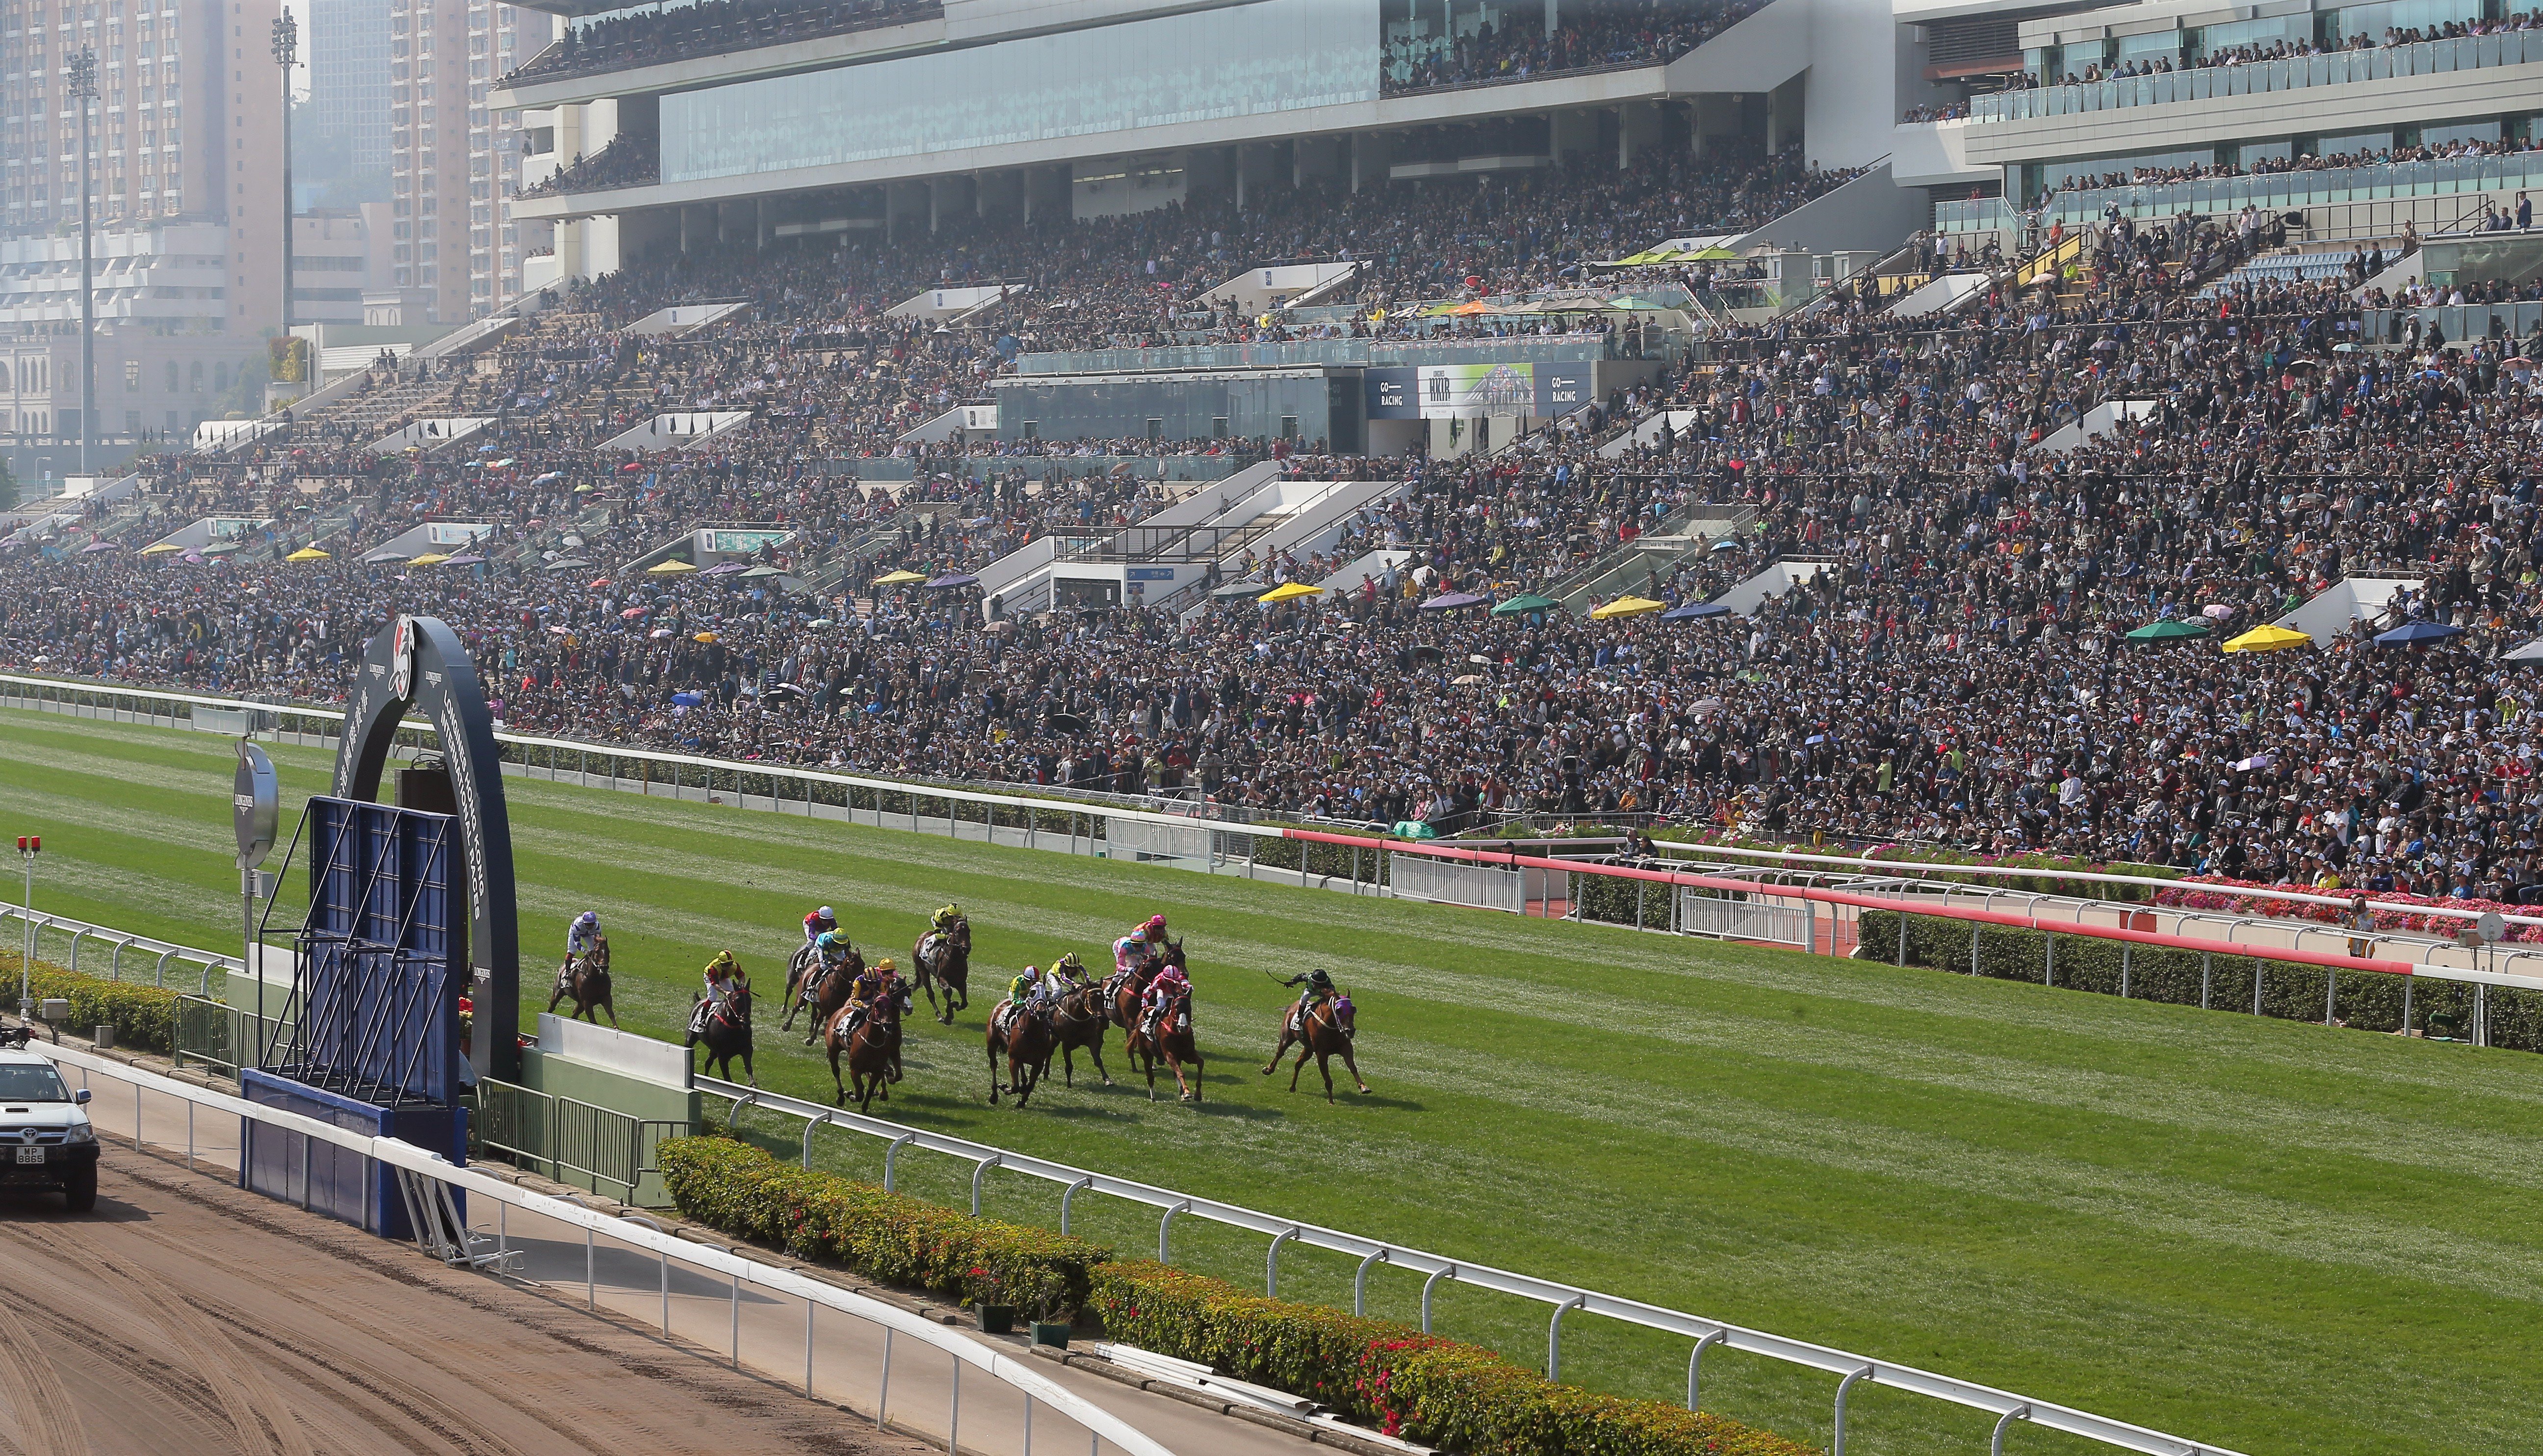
(943, 956)
(869, 987)
(815, 980)
(584, 975)
(1020, 1030)
(1321, 1024)
(1137, 960)
(1164, 1032)
(721, 1017)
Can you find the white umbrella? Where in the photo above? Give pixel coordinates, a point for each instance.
(2532, 651)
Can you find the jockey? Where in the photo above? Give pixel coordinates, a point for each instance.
(579, 937)
(1320, 989)
(1134, 950)
(1162, 991)
(722, 975)
(942, 922)
(1069, 974)
(1024, 993)
(863, 992)
(830, 952)
(820, 923)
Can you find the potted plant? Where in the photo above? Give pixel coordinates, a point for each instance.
(989, 1303)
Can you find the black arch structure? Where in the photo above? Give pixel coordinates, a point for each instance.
(419, 666)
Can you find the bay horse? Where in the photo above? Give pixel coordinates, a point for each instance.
(728, 1034)
(586, 979)
(873, 1050)
(1171, 1041)
(1323, 1032)
(1079, 1019)
(945, 957)
(1123, 990)
(831, 994)
(1026, 1042)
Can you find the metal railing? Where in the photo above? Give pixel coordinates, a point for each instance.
(121, 952)
(2261, 77)
(428, 1183)
(561, 1135)
(224, 1037)
(1561, 1299)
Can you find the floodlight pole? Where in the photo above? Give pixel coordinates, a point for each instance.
(83, 90)
(28, 846)
(286, 51)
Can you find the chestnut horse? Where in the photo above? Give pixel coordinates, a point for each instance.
(728, 1034)
(586, 979)
(1323, 1032)
(873, 1050)
(1171, 1040)
(945, 957)
(1079, 1020)
(823, 1001)
(1026, 1042)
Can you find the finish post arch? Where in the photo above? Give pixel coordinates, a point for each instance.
(419, 666)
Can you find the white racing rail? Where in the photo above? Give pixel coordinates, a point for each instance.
(427, 1180)
(1849, 1368)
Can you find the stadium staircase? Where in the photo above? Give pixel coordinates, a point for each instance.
(1688, 531)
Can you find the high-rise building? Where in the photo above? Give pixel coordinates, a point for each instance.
(185, 204)
(453, 163)
(349, 76)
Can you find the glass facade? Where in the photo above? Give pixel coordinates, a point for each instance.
(2277, 192)
(1279, 55)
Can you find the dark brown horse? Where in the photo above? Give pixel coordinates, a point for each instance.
(1171, 1041)
(1323, 1031)
(873, 1049)
(946, 958)
(586, 979)
(1079, 1020)
(1124, 989)
(822, 1000)
(728, 1034)
(1026, 1042)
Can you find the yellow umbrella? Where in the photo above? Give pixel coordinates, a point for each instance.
(706, 636)
(669, 568)
(2270, 639)
(428, 559)
(898, 579)
(307, 553)
(1291, 592)
(162, 549)
(1626, 606)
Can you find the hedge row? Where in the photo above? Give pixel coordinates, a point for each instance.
(891, 1238)
(144, 1018)
(2362, 999)
(1458, 1398)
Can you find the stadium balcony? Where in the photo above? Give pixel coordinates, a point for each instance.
(1589, 37)
(628, 161)
(709, 27)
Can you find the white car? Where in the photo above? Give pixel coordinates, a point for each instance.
(45, 1139)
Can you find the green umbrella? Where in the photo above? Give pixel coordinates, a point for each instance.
(1525, 604)
(2166, 630)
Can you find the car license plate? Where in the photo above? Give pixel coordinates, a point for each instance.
(30, 1155)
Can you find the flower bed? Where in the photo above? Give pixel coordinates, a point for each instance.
(2217, 893)
(891, 1238)
(144, 1018)
(1459, 1398)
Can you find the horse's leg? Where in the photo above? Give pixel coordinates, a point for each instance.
(1067, 1066)
(994, 1071)
(1286, 1037)
(834, 1072)
(1097, 1052)
(1354, 1067)
(1325, 1068)
(610, 1005)
(1198, 1066)
(747, 1075)
(556, 996)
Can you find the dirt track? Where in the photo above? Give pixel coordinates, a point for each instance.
(187, 1316)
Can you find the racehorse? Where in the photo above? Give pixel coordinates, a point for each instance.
(1123, 990)
(1172, 1041)
(728, 1033)
(873, 1051)
(833, 991)
(586, 979)
(1078, 1019)
(1026, 1042)
(1323, 1033)
(945, 957)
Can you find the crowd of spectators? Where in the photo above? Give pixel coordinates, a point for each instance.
(628, 160)
(1588, 35)
(1952, 669)
(618, 42)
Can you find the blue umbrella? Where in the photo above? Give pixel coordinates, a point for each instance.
(2411, 634)
(1695, 609)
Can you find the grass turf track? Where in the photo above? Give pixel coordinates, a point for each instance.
(2258, 1234)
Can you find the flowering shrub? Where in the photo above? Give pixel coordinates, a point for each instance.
(891, 1238)
(2214, 893)
(1459, 1398)
(144, 1018)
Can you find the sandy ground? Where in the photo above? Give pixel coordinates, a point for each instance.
(188, 1317)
